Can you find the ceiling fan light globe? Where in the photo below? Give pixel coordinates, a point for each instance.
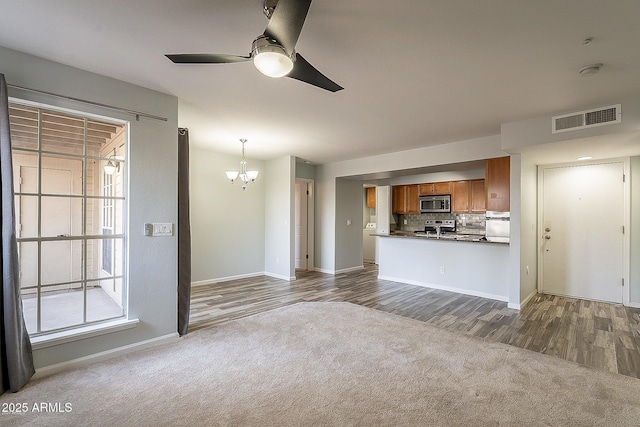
(273, 64)
(270, 58)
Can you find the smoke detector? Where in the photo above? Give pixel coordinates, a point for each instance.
(590, 69)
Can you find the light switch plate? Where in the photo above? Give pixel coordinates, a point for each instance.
(162, 229)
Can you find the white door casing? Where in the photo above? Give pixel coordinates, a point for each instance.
(581, 240)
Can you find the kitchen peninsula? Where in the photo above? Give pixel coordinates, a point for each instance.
(465, 266)
(454, 260)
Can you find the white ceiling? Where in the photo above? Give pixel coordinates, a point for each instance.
(415, 72)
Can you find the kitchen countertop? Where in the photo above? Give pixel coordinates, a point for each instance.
(474, 238)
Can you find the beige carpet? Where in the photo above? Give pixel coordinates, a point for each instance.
(330, 364)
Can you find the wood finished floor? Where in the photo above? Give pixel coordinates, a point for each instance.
(596, 334)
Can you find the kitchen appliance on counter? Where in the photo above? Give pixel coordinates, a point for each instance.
(439, 226)
(497, 224)
(435, 204)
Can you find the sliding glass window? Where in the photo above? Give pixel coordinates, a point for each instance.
(70, 200)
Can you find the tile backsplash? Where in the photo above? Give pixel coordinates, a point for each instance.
(465, 223)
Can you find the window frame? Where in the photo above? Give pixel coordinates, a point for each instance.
(39, 335)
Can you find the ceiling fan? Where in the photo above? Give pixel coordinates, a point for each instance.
(273, 52)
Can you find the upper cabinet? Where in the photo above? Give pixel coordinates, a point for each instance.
(405, 199)
(435, 188)
(477, 196)
(468, 196)
(460, 197)
(497, 177)
(371, 197)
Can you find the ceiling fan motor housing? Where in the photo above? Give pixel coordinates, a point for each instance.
(268, 6)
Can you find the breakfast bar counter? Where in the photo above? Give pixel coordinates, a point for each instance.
(467, 265)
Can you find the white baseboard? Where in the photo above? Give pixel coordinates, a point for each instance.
(279, 276)
(226, 279)
(344, 270)
(634, 304)
(350, 269)
(447, 288)
(104, 355)
(524, 302)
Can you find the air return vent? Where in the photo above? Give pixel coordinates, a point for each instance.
(586, 119)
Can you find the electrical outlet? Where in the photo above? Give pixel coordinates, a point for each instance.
(162, 229)
(405, 222)
(441, 270)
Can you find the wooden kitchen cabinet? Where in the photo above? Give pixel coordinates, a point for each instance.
(477, 196)
(497, 177)
(460, 197)
(468, 196)
(371, 197)
(435, 188)
(405, 199)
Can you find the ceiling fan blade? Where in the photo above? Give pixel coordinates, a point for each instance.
(206, 58)
(286, 22)
(306, 72)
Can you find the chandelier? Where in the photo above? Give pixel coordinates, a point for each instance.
(247, 177)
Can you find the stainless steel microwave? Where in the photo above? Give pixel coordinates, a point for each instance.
(436, 203)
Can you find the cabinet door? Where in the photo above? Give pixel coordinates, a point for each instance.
(412, 199)
(442, 188)
(398, 199)
(371, 197)
(426, 189)
(497, 176)
(478, 196)
(460, 197)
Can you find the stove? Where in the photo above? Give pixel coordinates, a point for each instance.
(445, 225)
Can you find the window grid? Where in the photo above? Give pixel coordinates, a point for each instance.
(108, 199)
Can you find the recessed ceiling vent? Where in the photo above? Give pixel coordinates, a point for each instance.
(586, 119)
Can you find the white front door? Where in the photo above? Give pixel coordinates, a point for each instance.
(301, 209)
(581, 243)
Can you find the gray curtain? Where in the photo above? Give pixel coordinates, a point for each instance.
(16, 359)
(184, 233)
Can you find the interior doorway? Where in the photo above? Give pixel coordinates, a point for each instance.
(304, 224)
(582, 240)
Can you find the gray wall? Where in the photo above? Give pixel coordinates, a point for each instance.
(523, 264)
(279, 214)
(634, 285)
(227, 223)
(305, 171)
(152, 192)
(349, 196)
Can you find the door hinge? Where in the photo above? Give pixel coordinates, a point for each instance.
(307, 192)
(623, 281)
(624, 178)
(20, 180)
(623, 229)
(307, 256)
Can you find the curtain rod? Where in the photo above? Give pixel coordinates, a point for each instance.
(110, 107)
